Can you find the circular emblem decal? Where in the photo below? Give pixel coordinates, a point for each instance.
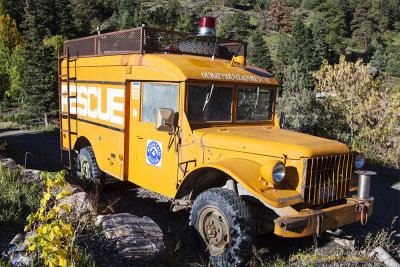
(153, 153)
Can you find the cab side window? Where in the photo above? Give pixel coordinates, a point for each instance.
(158, 95)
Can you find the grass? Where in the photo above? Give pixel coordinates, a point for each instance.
(17, 198)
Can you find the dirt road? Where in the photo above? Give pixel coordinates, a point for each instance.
(43, 153)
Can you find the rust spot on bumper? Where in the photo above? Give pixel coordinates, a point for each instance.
(308, 222)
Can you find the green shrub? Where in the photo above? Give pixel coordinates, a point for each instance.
(17, 199)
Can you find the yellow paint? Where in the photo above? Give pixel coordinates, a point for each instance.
(107, 98)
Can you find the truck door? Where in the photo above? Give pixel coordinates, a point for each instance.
(152, 161)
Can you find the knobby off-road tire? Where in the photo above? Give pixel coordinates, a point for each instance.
(87, 166)
(219, 208)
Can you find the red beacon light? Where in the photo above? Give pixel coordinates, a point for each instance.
(207, 26)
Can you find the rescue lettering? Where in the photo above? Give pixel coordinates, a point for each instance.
(95, 102)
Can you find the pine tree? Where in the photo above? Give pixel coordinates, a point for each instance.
(302, 49)
(127, 11)
(320, 32)
(235, 27)
(64, 21)
(259, 53)
(39, 80)
(365, 23)
(379, 58)
(337, 28)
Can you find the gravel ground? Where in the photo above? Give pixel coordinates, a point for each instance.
(182, 247)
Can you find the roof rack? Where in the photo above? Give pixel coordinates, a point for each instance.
(146, 40)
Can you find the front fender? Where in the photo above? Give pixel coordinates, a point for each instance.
(243, 171)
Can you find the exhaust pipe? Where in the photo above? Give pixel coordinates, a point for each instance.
(364, 181)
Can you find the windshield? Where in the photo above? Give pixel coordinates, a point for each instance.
(210, 103)
(214, 103)
(254, 104)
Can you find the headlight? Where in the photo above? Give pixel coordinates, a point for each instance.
(273, 171)
(278, 172)
(359, 162)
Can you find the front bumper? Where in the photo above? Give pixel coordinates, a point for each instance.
(315, 221)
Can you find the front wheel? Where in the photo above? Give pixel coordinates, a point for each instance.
(224, 223)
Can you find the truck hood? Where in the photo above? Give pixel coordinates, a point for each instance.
(270, 141)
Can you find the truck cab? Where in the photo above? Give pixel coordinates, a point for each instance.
(188, 118)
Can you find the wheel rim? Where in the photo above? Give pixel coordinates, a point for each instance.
(214, 230)
(85, 169)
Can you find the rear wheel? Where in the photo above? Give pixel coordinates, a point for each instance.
(88, 169)
(224, 223)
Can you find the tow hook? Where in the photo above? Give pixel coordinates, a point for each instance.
(363, 208)
(320, 221)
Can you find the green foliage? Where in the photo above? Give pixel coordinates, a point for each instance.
(320, 31)
(8, 29)
(387, 59)
(17, 198)
(311, 4)
(38, 78)
(259, 52)
(337, 29)
(236, 26)
(129, 15)
(297, 102)
(365, 23)
(167, 17)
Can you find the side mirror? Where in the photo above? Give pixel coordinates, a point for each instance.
(165, 120)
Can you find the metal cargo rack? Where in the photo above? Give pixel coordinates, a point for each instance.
(145, 40)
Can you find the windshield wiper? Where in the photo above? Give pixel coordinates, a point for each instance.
(258, 94)
(208, 97)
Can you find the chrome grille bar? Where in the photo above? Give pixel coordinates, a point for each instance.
(327, 178)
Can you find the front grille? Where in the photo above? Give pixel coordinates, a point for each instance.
(327, 178)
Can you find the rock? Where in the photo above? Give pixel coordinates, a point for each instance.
(347, 243)
(31, 175)
(80, 203)
(384, 257)
(135, 237)
(18, 260)
(17, 244)
(73, 188)
(7, 162)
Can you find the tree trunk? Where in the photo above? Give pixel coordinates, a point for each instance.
(46, 120)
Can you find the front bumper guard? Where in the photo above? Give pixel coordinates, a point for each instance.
(308, 222)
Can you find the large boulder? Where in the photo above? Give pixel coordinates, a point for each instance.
(138, 238)
(80, 202)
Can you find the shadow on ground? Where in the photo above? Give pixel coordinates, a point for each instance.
(180, 240)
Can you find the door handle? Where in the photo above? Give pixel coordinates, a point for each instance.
(139, 137)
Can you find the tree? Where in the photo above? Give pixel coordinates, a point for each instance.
(361, 110)
(39, 79)
(365, 23)
(302, 49)
(337, 29)
(297, 102)
(129, 15)
(379, 59)
(236, 27)
(64, 20)
(167, 17)
(8, 29)
(320, 31)
(259, 53)
(280, 16)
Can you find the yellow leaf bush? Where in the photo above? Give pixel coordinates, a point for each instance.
(54, 239)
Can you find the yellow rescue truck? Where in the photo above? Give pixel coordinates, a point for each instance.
(186, 117)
